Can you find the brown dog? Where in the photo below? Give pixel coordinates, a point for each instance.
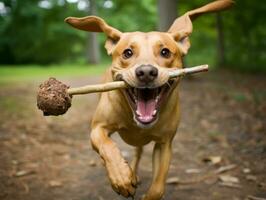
(149, 110)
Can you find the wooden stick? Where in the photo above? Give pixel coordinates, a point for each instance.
(190, 70)
(97, 88)
(121, 84)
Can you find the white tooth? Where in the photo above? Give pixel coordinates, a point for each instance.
(154, 112)
(137, 111)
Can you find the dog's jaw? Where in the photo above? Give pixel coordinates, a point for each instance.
(145, 103)
(145, 126)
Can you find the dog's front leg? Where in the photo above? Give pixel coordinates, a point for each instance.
(162, 153)
(122, 178)
(135, 162)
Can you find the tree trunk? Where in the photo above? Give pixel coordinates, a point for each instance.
(93, 49)
(220, 41)
(167, 10)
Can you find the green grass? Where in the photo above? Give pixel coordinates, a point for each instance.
(33, 72)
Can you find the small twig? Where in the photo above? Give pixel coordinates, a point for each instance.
(121, 84)
(225, 168)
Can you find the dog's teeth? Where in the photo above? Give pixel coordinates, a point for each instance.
(138, 113)
(154, 112)
(157, 99)
(135, 91)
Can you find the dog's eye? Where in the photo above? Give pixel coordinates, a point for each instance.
(165, 53)
(127, 53)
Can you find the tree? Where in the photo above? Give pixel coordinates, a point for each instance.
(30, 33)
(93, 49)
(167, 10)
(220, 41)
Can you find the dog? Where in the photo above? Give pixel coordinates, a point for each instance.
(148, 111)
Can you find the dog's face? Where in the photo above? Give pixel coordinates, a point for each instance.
(143, 60)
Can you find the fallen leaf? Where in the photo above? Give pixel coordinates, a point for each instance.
(250, 197)
(55, 183)
(14, 162)
(251, 178)
(231, 185)
(193, 171)
(228, 179)
(92, 163)
(246, 170)
(213, 159)
(172, 180)
(23, 173)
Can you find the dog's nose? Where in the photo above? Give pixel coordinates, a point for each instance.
(146, 73)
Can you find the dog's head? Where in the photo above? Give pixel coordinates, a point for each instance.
(143, 60)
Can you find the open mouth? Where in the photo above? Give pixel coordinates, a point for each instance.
(146, 102)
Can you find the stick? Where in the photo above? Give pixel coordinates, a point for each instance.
(97, 88)
(121, 84)
(185, 71)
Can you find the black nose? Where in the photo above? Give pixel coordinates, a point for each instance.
(146, 73)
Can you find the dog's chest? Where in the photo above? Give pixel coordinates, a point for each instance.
(138, 137)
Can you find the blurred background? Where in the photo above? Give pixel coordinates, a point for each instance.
(33, 31)
(222, 134)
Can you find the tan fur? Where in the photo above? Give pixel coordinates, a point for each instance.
(113, 113)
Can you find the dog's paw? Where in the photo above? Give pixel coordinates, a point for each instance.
(122, 178)
(145, 197)
(153, 194)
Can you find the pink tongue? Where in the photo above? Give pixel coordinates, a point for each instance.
(145, 109)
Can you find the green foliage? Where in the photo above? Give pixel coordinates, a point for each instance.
(32, 34)
(245, 35)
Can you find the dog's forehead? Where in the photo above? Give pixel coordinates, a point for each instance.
(147, 37)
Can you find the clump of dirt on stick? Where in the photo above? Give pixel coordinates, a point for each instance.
(52, 97)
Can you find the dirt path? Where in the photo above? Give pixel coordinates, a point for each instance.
(223, 115)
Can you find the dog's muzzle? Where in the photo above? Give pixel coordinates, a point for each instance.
(148, 88)
(146, 74)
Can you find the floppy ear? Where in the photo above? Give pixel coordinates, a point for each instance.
(183, 27)
(96, 24)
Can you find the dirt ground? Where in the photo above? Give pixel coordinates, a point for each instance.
(223, 124)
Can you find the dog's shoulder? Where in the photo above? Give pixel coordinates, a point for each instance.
(107, 76)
